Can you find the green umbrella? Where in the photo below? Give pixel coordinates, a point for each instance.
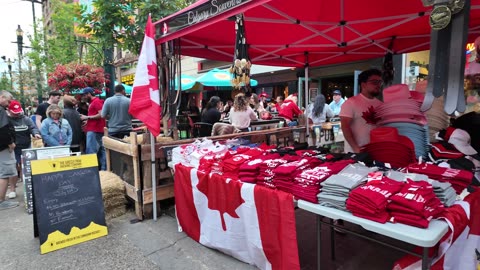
(219, 78)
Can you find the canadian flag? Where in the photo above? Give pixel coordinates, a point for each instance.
(459, 249)
(251, 223)
(145, 99)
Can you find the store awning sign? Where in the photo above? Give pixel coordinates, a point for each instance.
(200, 13)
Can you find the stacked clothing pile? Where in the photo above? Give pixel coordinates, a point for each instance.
(249, 170)
(336, 189)
(306, 185)
(370, 201)
(459, 179)
(285, 173)
(234, 159)
(415, 204)
(444, 192)
(265, 178)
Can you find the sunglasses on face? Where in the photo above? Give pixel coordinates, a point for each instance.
(375, 82)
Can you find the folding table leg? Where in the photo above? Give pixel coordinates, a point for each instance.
(319, 241)
(425, 259)
(332, 238)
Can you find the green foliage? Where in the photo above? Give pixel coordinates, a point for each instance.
(122, 22)
(5, 83)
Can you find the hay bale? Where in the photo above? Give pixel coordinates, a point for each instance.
(113, 194)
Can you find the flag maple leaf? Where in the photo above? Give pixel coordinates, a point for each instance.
(224, 195)
(152, 76)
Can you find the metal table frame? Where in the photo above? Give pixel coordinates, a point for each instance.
(424, 238)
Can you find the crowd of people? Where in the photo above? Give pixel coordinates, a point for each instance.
(78, 124)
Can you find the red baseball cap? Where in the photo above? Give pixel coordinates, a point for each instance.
(15, 107)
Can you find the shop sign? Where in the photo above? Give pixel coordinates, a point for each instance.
(128, 79)
(470, 47)
(201, 13)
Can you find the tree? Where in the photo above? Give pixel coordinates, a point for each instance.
(5, 83)
(121, 23)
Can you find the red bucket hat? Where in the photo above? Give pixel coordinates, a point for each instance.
(387, 145)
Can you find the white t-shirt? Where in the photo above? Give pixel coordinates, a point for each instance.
(317, 120)
(242, 119)
(354, 108)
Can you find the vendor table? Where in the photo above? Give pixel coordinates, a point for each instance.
(424, 238)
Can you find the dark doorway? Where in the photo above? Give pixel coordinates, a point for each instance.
(344, 84)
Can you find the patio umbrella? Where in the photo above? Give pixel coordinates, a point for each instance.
(219, 78)
(189, 83)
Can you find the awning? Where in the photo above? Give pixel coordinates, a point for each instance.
(287, 33)
(219, 78)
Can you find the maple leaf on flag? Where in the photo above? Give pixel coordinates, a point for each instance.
(223, 195)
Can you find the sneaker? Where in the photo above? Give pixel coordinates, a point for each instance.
(7, 205)
(12, 195)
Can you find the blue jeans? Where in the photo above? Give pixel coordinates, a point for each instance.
(292, 123)
(95, 146)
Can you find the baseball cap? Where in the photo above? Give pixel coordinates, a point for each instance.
(87, 90)
(337, 92)
(461, 140)
(15, 107)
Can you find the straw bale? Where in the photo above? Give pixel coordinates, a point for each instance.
(113, 194)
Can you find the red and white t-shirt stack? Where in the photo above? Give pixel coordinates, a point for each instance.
(233, 160)
(249, 170)
(415, 204)
(306, 184)
(370, 201)
(459, 179)
(285, 173)
(266, 176)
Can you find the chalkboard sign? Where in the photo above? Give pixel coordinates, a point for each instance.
(33, 154)
(68, 205)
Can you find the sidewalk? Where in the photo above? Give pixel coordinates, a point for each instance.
(159, 245)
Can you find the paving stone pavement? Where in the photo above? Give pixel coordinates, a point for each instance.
(158, 245)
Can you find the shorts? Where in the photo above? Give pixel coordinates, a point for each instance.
(8, 166)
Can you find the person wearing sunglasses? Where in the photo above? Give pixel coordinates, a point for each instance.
(356, 114)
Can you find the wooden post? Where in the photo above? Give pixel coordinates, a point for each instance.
(107, 151)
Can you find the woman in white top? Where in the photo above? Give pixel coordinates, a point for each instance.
(241, 114)
(317, 114)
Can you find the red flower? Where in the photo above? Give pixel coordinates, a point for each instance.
(75, 76)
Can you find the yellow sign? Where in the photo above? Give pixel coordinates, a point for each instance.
(68, 205)
(58, 240)
(128, 79)
(470, 46)
(64, 164)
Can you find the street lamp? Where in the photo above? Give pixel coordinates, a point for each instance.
(19, 32)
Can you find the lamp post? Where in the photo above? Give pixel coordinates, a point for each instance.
(19, 32)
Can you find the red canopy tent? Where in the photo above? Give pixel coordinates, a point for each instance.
(281, 32)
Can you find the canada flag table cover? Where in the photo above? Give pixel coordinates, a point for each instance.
(458, 248)
(251, 223)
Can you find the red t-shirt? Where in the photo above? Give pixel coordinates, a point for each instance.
(95, 125)
(289, 110)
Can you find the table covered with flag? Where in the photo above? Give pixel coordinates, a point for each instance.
(252, 223)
